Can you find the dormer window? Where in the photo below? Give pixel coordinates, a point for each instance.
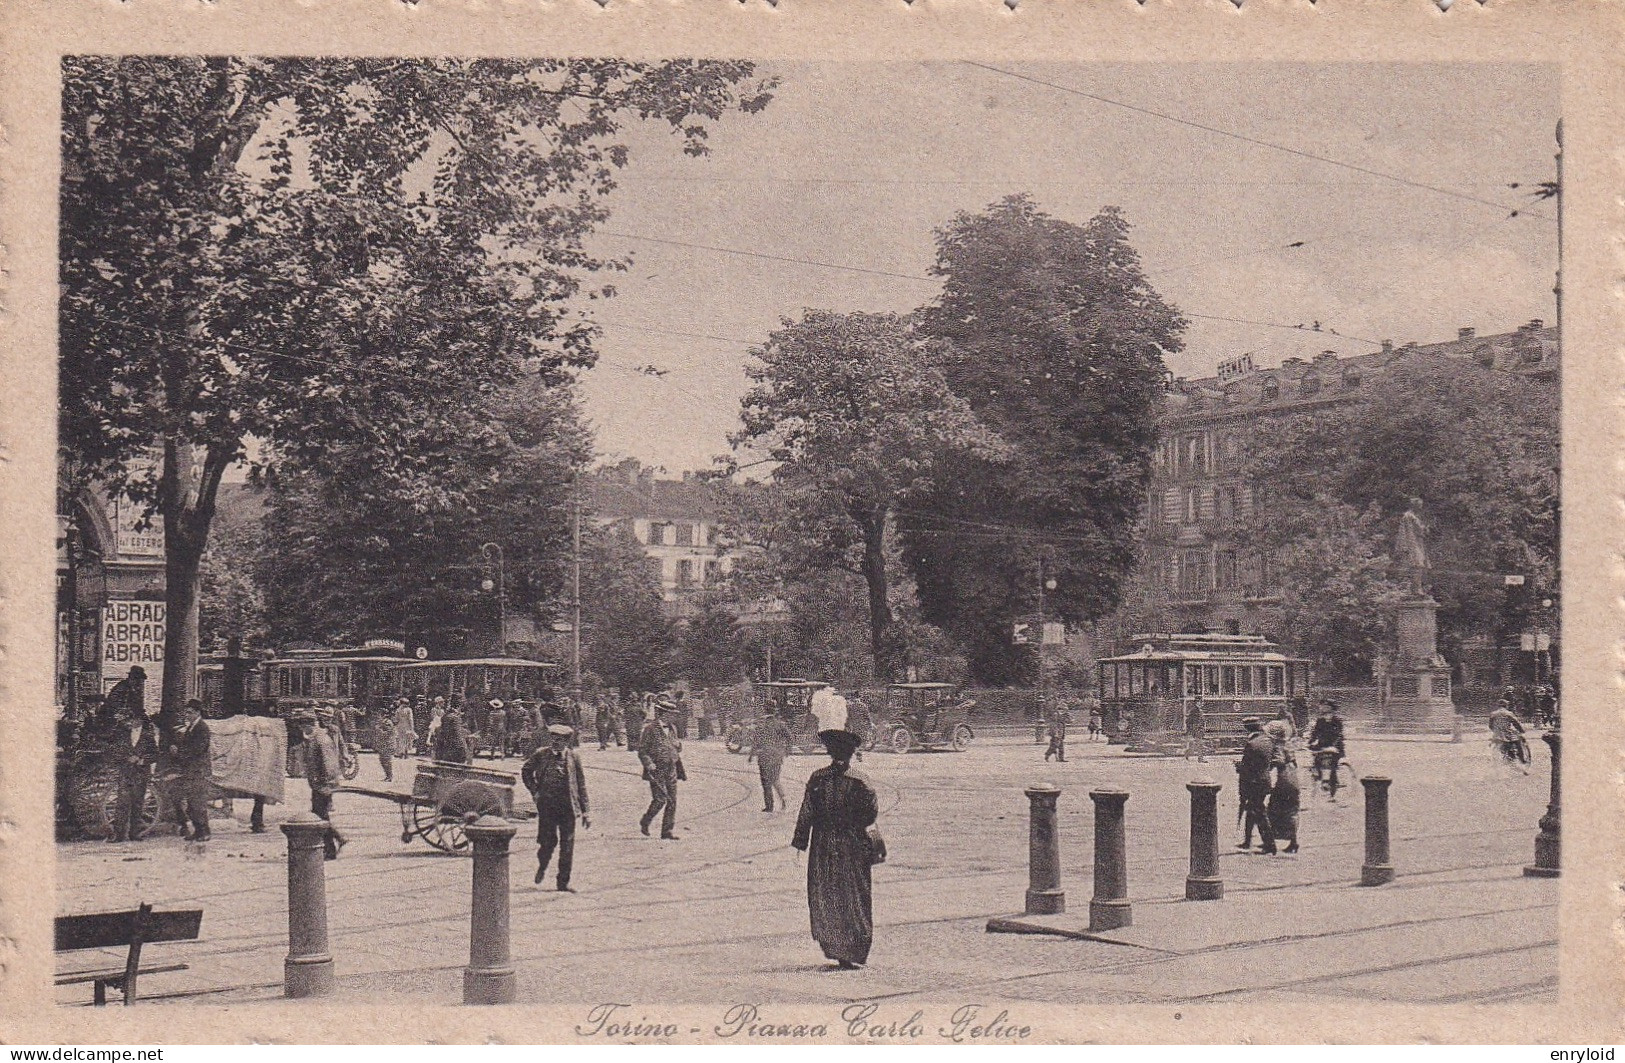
(1310, 384)
(1272, 390)
(1351, 376)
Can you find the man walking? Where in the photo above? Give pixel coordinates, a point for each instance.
(496, 725)
(137, 751)
(768, 748)
(1196, 730)
(189, 753)
(324, 771)
(557, 784)
(1253, 785)
(661, 753)
(604, 723)
(1059, 717)
(382, 722)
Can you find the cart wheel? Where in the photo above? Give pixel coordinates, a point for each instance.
(961, 738)
(443, 832)
(406, 837)
(736, 739)
(901, 740)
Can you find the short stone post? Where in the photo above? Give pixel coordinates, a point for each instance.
(1549, 842)
(308, 970)
(1377, 868)
(1044, 893)
(489, 976)
(1204, 883)
(1109, 907)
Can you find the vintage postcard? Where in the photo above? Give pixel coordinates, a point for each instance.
(893, 523)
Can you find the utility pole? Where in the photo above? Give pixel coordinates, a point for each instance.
(575, 591)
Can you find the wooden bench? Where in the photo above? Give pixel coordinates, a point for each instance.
(103, 930)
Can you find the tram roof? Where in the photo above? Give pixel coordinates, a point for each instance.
(317, 662)
(1239, 655)
(487, 662)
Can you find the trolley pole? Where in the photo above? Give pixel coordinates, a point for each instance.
(575, 594)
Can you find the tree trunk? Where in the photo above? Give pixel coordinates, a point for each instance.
(183, 566)
(874, 573)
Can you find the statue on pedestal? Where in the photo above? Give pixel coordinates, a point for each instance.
(1410, 546)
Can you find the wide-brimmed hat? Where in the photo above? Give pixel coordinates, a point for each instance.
(560, 730)
(841, 744)
(495, 703)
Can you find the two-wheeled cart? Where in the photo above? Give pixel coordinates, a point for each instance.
(445, 797)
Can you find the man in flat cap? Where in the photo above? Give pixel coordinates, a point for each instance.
(661, 752)
(557, 784)
(189, 751)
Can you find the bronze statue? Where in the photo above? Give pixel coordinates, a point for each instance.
(1411, 545)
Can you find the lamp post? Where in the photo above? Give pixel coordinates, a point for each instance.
(501, 587)
(1044, 583)
(575, 592)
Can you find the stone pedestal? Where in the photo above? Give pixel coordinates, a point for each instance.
(1418, 682)
(1378, 869)
(1044, 893)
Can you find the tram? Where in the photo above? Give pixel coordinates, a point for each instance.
(1146, 695)
(348, 676)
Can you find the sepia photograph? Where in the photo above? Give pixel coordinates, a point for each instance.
(824, 549)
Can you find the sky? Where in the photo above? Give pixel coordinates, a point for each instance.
(1404, 235)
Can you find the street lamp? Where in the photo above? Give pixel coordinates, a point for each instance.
(501, 587)
(1045, 583)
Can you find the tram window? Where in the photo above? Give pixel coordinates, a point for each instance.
(282, 683)
(1193, 680)
(1227, 679)
(1275, 679)
(1212, 677)
(1244, 679)
(344, 680)
(1136, 680)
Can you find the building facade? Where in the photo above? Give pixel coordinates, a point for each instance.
(676, 521)
(110, 599)
(1198, 497)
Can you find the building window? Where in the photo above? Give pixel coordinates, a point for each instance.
(1310, 384)
(1192, 505)
(1224, 569)
(1227, 503)
(685, 573)
(1172, 502)
(710, 571)
(1195, 455)
(685, 533)
(710, 535)
(1272, 390)
(1195, 579)
(1351, 377)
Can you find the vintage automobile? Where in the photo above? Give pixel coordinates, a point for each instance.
(791, 701)
(925, 716)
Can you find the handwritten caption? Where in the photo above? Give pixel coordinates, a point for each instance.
(963, 1024)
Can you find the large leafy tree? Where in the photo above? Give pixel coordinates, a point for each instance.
(856, 411)
(1056, 342)
(359, 551)
(319, 253)
(1478, 446)
(711, 649)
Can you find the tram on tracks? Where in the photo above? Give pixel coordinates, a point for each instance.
(1146, 695)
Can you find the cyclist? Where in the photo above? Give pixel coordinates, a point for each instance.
(1507, 736)
(1326, 743)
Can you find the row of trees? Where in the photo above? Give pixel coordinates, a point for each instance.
(937, 466)
(328, 267)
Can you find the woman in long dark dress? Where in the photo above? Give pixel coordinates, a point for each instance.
(832, 828)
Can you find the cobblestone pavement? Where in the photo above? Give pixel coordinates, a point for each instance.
(721, 914)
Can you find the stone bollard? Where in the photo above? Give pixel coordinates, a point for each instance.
(1044, 893)
(1549, 842)
(1377, 869)
(308, 970)
(489, 976)
(1109, 907)
(1204, 883)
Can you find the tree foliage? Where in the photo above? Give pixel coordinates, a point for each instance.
(626, 638)
(1055, 341)
(360, 552)
(325, 253)
(1478, 446)
(855, 410)
(711, 647)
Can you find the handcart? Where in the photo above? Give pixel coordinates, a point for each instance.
(445, 796)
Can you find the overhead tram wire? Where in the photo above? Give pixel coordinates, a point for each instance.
(1259, 142)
